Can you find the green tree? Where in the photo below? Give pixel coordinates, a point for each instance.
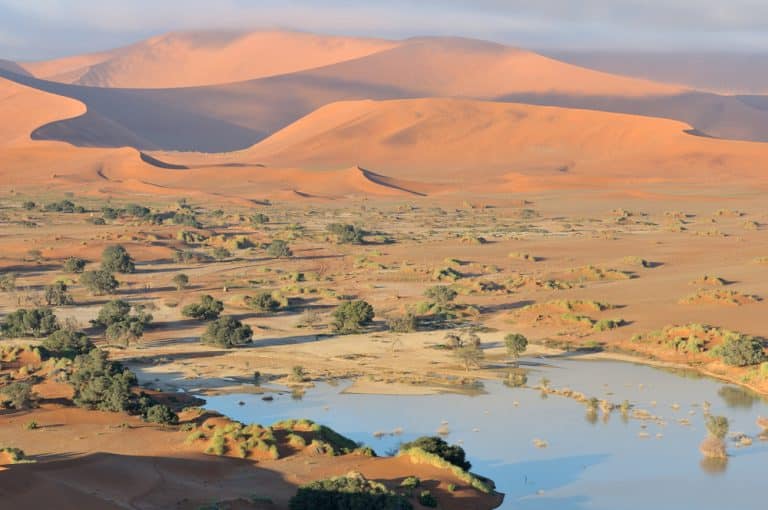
(101, 384)
(346, 234)
(227, 332)
(74, 265)
(741, 351)
(516, 345)
(65, 343)
(442, 295)
(161, 414)
(263, 302)
(35, 322)
(208, 309)
(116, 259)
(352, 316)
(19, 395)
(279, 249)
(56, 294)
(99, 282)
(181, 281)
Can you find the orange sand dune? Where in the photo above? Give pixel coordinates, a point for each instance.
(451, 140)
(186, 59)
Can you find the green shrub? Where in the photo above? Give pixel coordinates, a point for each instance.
(349, 492)
(99, 282)
(741, 351)
(74, 265)
(67, 344)
(279, 249)
(56, 294)
(116, 259)
(227, 332)
(427, 499)
(410, 482)
(180, 281)
(442, 295)
(454, 454)
(208, 309)
(221, 253)
(36, 322)
(346, 234)
(259, 219)
(352, 316)
(18, 395)
(263, 302)
(161, 414)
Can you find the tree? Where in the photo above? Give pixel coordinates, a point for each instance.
(116, 259)
(208, 309)
(516, 345)
(74, 265)
(18, 395)
(122, 327)
(67, 344)
(717, 426)
(99, 282)
(56, 294)
(36, 322)
(279, 249)
(113, 311)
(161, 414)
(346, 234)
(263, 302)
(441, 294)
(741, 351)
(454, 454)
(181, 281)
(101, 384)
(259, 219)
(227, 332)
(470, 356)
(351, 316)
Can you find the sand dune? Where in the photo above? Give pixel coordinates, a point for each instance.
(188, 59)
(220, 118)
(474, 142)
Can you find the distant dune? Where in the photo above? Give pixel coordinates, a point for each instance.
(233, 116)
(189, 59)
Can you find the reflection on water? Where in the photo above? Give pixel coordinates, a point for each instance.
(590, 462)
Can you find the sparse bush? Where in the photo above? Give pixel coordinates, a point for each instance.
(99, 282)
(116, 259)
(259, 219)
(469, 355)
(65, 343)
(221, 253)
(279, 249)
(36, 322)
(74, 265)
(406, 323)
(209, 308)
(346, 234)
(352, 316)
(263, 302)
(441, 295)
(717, 426)
(453, 454)
(56, 294)
(18, 395)
(227, 332)
(8, 282)
(180, 281)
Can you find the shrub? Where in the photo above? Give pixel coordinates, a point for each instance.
(717, 426)
(427, 499)
(64, 206)
(741, 351)
(259, 219)
(349, 492)
(186, 218)
(469, 355)
(411, 482)
(221, 253)
(516, 344)
(101, 384)
(263, 302)
(346, 234)
(28, 205)
(18, 395)
(137, 211)
(279, 249)
(180, 281)
(74, 265)
(56, 294)
(116, 259)
(441, 294)
(453, 454)
(207, 309)
(351, 316)
(227, 332)
(403, 324)
(36, 322)
(67, 344)
(99, 282)
(8, 282)
(161, 414)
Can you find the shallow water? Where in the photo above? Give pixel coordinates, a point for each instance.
(588, 464)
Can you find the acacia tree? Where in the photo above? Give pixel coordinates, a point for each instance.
(352, 316)
(116, 259)
(516, 345)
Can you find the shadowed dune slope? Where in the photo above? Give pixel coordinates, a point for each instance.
(195, 58)
(228, 117)
(476, 142)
